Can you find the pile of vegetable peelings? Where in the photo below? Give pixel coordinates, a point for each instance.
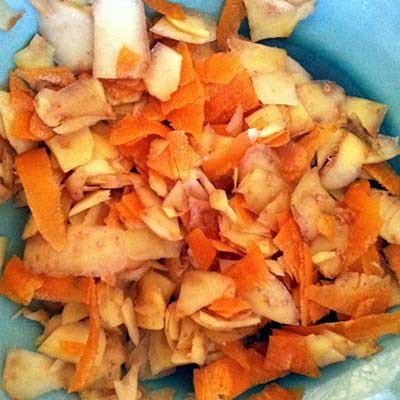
(196, 198)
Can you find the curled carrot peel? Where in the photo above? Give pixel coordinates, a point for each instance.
(18, 283)
(316, 139)
(276, 392)
(224, 378)
(359, 329)
(232, 15)
(356, 302)
(384, 175)
(166, 8)
(278, 140)
(177, 159)
(249, 271)
(43, 194)
(297, 257)
(134, 128)
(189, 118)
(222, 100)
(188, 73)
(236, 351)
(364, 229)
(368, 263)
(152, 109)
(219, 68)
(191, 93)
(224, 160)
(64, 290)
(290, 353)
(228, 307)
(202, 248)
(134, 206)
(21, 126)
(86, 364)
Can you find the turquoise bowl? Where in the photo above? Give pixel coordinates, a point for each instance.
(355, 43)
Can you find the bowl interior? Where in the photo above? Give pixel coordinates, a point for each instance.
(354, 43)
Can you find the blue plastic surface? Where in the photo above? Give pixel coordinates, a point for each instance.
(353, 42)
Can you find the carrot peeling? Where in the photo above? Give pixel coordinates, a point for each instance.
(188, 73)
(166, 8)
(249, 271)
(224, 378)
(290, 353)
(385, 176)
(202, 248)
(219, 68)
(359, 329)
(228, 307)
(134, 128)
(18, 283)
(364, 229)
(85, 366)
(64, 290)
(43, 194)
(224, 160)
(222, 100)
(232, 15)
(276, 392)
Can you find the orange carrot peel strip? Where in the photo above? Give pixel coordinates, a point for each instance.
(364, 328)
(352, 301)
(188, 73)
(219, 68)
(296, 255)
(224, 378)
(134, 128)
(177, 159)
(251, 361)
(249, 271)
(232, 15)
(276, 392)
(384, 175)
(166, 8)
(18, 283)
(86, 364)
(290, 353)
(202, 248)
(228, 307)
(364, 229)
(64, 290)
(43, 194)
(21, 126)
(189, 118)
(225, 159)
(222, 100)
